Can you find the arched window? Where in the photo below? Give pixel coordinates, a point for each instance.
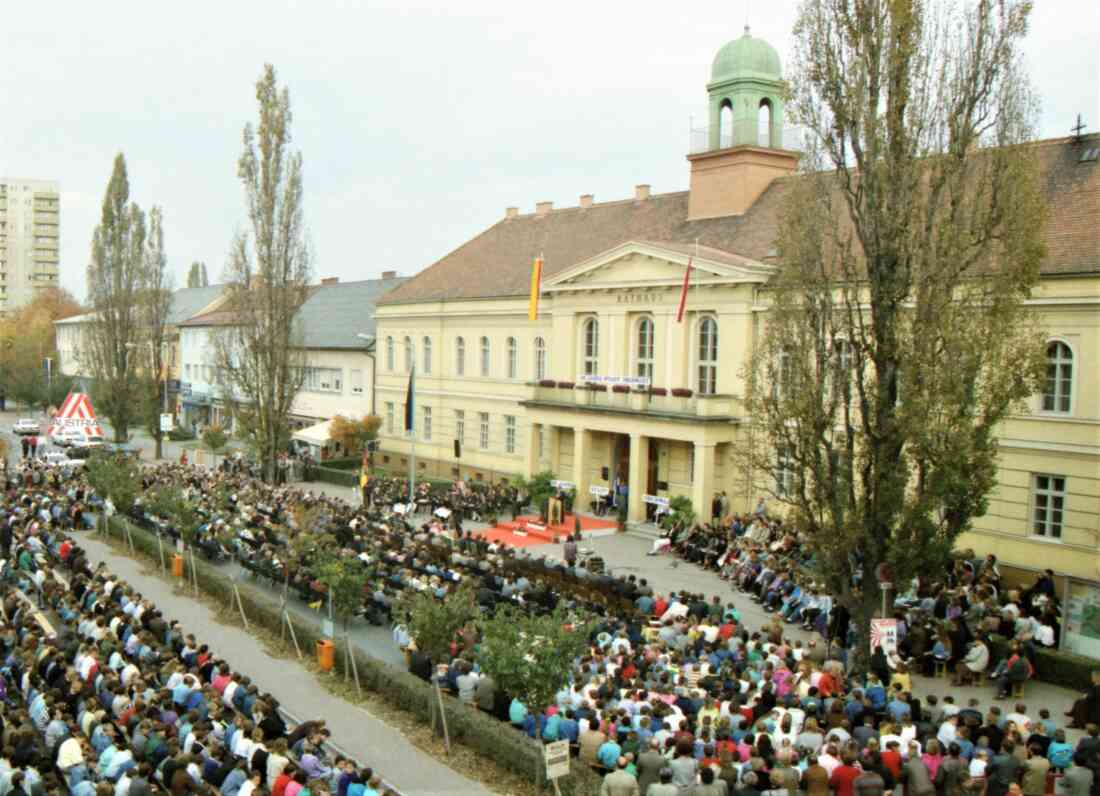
(390, 366)
(725, 125)
(426, 344)
(460, 356)
(764, 120)
(1058, 392)
(591, 347)
(784, 376)
(540, 359)
(410, 355)
(486, 356)
(707, 363)
(513, 359)
(644, 350)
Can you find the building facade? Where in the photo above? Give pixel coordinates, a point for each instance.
(29, 240)
(498, 395)
(337, 326)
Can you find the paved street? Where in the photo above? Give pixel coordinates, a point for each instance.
(355, 730)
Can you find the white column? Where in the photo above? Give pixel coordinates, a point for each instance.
(639, 455)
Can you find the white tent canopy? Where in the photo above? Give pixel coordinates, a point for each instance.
(314, 435)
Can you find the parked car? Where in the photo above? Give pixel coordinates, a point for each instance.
(61, 459)
(112, 449)
(69, 437)
(26, 425)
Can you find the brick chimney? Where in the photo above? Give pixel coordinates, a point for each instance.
(389, 274)
(726, 182)
(641, 193)
(586, 200)
(330, 280)
(543, 208)
(511, 212)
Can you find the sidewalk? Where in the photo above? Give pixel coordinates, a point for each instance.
(354, 730)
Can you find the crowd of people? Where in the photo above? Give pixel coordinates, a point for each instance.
(102, 694)
(676, 694)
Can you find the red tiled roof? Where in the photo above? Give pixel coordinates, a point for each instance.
(498, 261)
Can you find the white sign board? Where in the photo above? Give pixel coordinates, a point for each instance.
(629, 381)
(557, 759)
(442, 512)
(564, 486)
(179, 545)
(166, 422)
(656, 500)
(599, 491)
(884, 633)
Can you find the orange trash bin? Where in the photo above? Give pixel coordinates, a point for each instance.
(326, 655)
(177, 565)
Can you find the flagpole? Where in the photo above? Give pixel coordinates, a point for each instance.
(412, 446)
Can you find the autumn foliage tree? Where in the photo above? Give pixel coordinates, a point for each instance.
(353, 434)
(27, 338)
(897, 338)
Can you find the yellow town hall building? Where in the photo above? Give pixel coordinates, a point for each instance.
(499, 395)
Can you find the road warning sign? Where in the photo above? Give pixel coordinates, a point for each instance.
(76, 413)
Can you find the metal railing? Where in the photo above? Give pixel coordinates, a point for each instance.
(790, 137)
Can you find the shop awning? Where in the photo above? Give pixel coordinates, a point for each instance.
(315, 434)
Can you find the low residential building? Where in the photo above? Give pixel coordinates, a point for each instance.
(337, 322)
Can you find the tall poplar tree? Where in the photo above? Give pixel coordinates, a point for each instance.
(260, 357)
(156, 306)
(897, 338)
(115, 278)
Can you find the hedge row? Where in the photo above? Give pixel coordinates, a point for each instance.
(328, 475)
(486, 735)
(1053, 666)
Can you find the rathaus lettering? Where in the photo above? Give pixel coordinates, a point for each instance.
(651, 297)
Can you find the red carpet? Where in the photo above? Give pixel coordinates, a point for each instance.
(539, 534)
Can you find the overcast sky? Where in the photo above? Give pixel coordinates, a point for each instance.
(418, 124)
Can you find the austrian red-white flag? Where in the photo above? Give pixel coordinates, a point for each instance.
(76, 412)
(684, 293)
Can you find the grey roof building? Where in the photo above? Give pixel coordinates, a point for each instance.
(336, 313)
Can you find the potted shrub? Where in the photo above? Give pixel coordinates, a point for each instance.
(547, 383)
(681, 392)
(597, 387)
(565, 385)
(620, 388)
(659, 391)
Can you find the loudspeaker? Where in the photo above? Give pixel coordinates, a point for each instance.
(605, 473)
(458, 449)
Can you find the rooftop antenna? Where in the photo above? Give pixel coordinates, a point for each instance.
(1077, 129)
(747, 4)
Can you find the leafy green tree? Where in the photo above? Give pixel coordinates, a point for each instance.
(262, 356)
(346, 579)
(167, 501)
(530, 657)
(196, 276)
(539, 490)
(115, 280)
(214, 439)
(433, 623)
(116, 477)
(907, 249)
(156, 305)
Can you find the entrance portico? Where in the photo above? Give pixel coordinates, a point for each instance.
(654, 456)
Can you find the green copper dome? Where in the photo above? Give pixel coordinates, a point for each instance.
(746, 57)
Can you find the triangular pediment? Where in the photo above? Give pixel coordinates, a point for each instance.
(654, 264)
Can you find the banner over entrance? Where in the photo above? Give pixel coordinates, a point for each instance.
(76, 414)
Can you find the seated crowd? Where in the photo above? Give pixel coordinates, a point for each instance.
(102, 694)
(676, 695)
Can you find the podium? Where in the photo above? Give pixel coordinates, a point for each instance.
(554, 511)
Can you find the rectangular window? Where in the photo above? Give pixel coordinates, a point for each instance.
(509, 434)
(323, 380)
(460, 426)
(427, 418)
(355, 378)
(483, 436)
(784, 471)
(187, 369)
(542, 442)
(389, 417)
(1048, 498)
